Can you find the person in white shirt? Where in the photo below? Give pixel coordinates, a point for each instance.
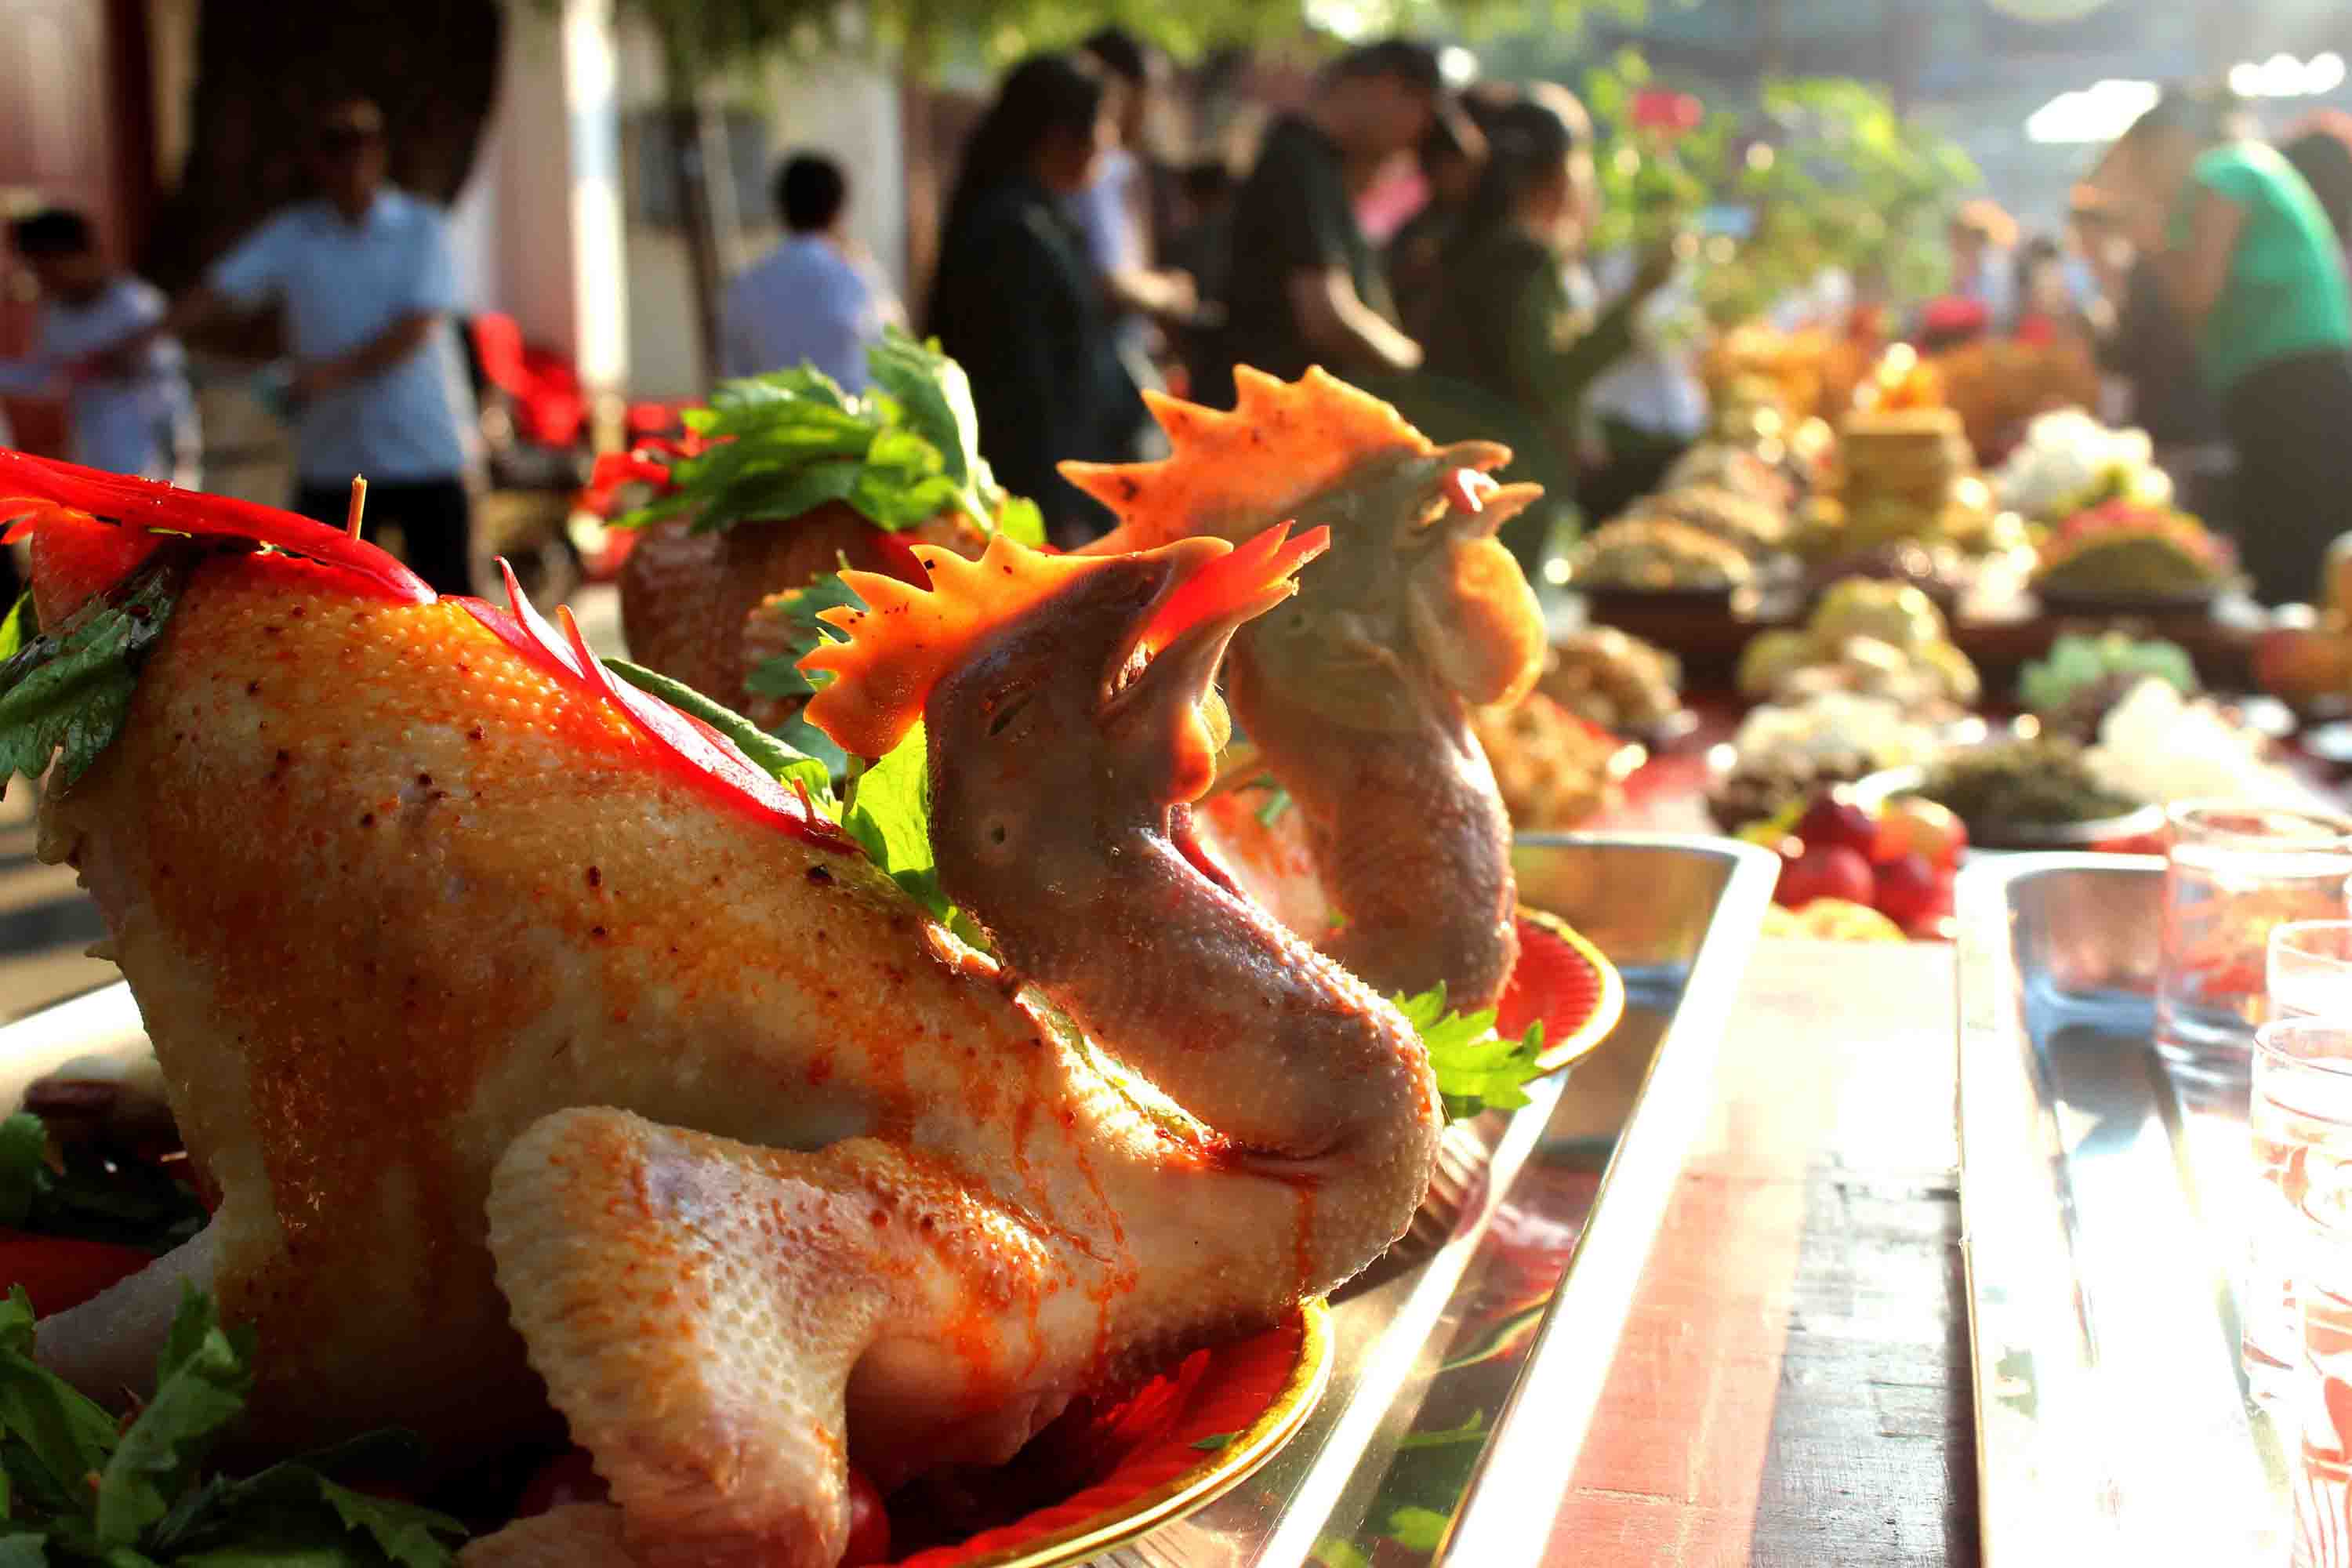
(811, 300)
(128, 413)
(365, 278)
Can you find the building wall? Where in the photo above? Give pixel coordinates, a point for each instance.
(844, 107)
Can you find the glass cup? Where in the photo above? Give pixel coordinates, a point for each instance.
(2232, 874)
(2299, 1115)
(2321, 1411)
(2310, 970)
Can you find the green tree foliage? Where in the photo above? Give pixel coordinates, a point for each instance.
(1834, 176)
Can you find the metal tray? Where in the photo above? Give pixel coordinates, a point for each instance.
(1463, 1381)
(2100, 1200)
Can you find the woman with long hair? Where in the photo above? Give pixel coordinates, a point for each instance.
(2252, 264)
(1518, 318)
(1017, 300)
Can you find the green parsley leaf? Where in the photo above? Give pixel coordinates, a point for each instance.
(65, 694)
(89, 1197)
(782, 676)
(765, 751)
(56, 1437)
(24, 1163)
(1214, 1441)
(786, 443)
(890, 815)
(23, 620)
(407, 1534)
(1418, 1529)
(202, 1379)
(1477, 1069)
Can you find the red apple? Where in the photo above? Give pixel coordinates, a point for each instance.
(1908, 888)
(1834, 818)
(1912, 826)
(1825, 871)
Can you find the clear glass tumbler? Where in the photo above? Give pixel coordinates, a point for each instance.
(2300, 1116)
(2321, 1409)
(2232, 874)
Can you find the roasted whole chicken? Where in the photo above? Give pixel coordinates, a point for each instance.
(1357, 692)
(540, 1048)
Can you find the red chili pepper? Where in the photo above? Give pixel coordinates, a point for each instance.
(146, 505)
(58, 1272)
(691, 746)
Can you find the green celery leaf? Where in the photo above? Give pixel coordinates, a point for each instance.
(283, 1499)
(786, 765)
(202, 1379)
(890, 815)
(23, 621)
(779, 495)
(58, 1438)
(1477, 1069)
(64, 695)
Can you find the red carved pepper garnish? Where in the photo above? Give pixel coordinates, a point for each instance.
(150, 506)
(688, 746)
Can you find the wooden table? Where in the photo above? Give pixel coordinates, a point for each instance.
(1792, 1386)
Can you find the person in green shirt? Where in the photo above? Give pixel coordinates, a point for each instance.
(2254, 269)
(1514, 322)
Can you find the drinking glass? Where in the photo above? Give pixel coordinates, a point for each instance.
(2311, 970)
(2322, 1406)
(2232, 874)
(2301, 1118)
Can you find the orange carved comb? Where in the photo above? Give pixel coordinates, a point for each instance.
(908, 638)
(1232, 473)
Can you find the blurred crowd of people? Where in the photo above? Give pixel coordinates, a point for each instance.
(2205, 269)
(1078, 267)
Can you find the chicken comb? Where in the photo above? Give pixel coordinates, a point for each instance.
(38, 491)
(907, 638)
(1232, 473)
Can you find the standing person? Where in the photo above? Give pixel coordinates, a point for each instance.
(1984, 270)
(1521, 318)
(129, 412)
(1114, 207)
(2141, 343)
(1017, 299)
(1307, 286)
(2323, 156)
(364, 275)
(810, 300)
(1449, 170)
(2239, 244)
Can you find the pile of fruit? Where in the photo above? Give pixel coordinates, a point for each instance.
(1553, 769)
(1651, 555)
(2069, 462)
(1870, 637)
(2309, 665)
(1840, 861)
(2124, 549)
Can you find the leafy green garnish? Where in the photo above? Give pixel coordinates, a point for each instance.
(77, 1489)
(65, 693)
(1214, 1441)
(782, 676)
(889, 815)
(23, 621)
(790, 767)
(1477, 1069)
(88, 1195)
(786, 443)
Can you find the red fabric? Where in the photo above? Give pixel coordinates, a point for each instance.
(550, 405)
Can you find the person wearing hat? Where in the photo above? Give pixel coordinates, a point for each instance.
(1307, 286)
(364, 274)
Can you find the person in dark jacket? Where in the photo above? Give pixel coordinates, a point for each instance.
(1017, 300)
(1519, 319)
